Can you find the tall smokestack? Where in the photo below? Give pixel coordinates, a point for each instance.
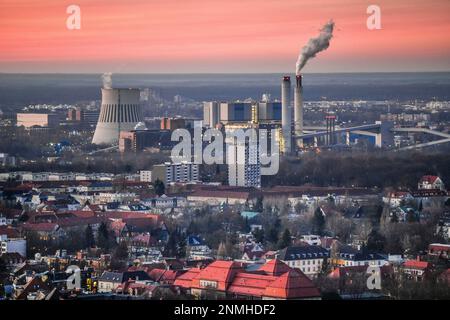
(298, 108)
(286, 114)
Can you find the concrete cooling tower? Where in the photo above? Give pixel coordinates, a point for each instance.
(120, 111)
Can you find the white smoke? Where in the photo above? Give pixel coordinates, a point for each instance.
(315, 45)
(107, 80)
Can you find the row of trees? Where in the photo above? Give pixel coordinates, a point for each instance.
(368, 169)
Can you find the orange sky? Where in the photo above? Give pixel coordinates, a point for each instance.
(221, 36)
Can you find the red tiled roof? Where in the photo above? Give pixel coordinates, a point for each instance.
(185, 280)
(220, 194)
(270, 282)
(73, 222)
(415, 264)
(429, 179)
(275, 267)
(9, 231)
(43, 227)
(292, 284)
(220, 271)
(82, 213)
(163, 275)
(439, 247)
(250, 284)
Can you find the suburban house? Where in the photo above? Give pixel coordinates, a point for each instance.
(109, 281)
(431, 183)
(415, 269)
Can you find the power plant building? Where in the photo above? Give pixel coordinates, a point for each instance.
(235, 111)
(120, 111)
(29, 120)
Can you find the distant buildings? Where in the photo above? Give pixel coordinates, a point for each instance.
(136, 140)
(145, 176)
(186, 172)
(244, 163)
(172, 123)
(84, 117)
(29, 120)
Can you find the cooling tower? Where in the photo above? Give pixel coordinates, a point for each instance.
(298, 109)
(286, 113)
(120, 111)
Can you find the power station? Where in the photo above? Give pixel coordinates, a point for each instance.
(120, 111)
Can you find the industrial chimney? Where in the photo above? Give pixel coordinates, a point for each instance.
(286, 114)
(298, 109)
(120, 111)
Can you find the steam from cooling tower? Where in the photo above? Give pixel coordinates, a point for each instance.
(315, 45)
(107, 80)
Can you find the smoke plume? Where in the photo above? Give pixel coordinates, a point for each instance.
(107, 80)
(315, 45)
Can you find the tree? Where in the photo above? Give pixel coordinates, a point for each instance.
(160, 188)
(176, 245)
(89, 237)
(259, 235)
(375, 241)
(121, 251)
(259, 204)
(318, 221)
(103, 239)
(285, 239)
(119, 257)
(411, 216)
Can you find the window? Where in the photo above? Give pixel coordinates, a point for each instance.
(208, 284)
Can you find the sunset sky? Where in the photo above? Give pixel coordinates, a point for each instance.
(212, 36)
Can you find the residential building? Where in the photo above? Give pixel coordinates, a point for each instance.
(415, 269)
(109, 281)
(431, 183)
(145, 176)
(348, 257)
(307, 258)
(185, 172)
(13, 245)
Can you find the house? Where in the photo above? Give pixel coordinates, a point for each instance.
(439, 250)
(307, 258)
(10, 245)
(45, 230)
(443, 227)
(348, 257)
(253, 252)
(228, 279)
(196, 248)
(415, 269)
(12, 259)
(397, 198)
(109, 281)
(431, 183)
(31, 289)
(311, 239)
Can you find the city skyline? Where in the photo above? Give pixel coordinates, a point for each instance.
(220, 37)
